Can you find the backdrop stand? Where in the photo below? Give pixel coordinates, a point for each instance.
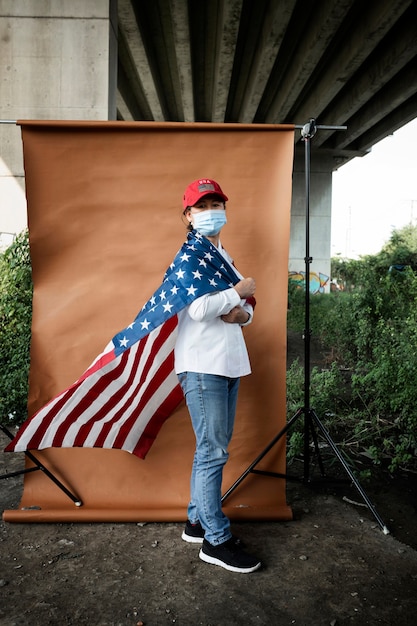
(312, 423)
(38, 466)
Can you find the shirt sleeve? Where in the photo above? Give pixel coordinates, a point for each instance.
(213, 305)
(249, 309)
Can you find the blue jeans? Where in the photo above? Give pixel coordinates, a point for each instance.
(211, 402)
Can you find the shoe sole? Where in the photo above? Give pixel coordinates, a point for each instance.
(190, 539)
(231, 568)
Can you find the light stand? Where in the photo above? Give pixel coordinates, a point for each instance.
(312, 423)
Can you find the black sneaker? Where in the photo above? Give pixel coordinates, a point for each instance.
(230, 556)
(193, 533)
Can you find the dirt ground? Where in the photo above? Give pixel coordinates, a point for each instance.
(331, 565)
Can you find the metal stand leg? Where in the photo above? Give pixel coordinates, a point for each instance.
(313, 419)
(39, 466)
(349, 472)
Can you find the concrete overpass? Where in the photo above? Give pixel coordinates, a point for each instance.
(342, 62)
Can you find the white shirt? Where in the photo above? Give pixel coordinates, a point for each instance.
(207, 344)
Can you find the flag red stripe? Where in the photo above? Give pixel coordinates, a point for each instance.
(92, 394)
(151, 390)
(46, 422)
(99, 363)
(92, 397)
(130, 391)
(165, 369)
(108, 406)
(154, 425)
(51, 411)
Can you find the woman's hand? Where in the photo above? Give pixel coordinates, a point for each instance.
(237, 315)
(245, 287)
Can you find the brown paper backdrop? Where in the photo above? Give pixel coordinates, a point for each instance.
(104, 213)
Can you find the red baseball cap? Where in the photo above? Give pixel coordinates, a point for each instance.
(200, 188)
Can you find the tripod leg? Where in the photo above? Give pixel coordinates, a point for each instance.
(40, 466)
(259, 458)
(349, 472)
(316, 445)
(19, 472)
(54, 479)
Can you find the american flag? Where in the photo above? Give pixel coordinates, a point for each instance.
(124, 397)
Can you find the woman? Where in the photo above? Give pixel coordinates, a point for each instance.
(210, 358)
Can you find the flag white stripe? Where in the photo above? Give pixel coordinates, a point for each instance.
(99, 402)
(72, 404)
(114, 386)
(134, 395)
(165, 389)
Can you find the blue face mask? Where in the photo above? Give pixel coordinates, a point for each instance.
(209, 222)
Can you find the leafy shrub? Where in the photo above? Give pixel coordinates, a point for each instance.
(387, 370)
(15, 329)
(324, 398)
(371, 331)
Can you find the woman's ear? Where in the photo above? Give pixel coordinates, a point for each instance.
(188, 215)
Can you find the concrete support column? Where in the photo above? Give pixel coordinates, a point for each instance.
(320, 221)
(58, 60)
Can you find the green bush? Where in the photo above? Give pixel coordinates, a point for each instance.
(371, 330)
(386, 373)
(15, 329)
(325, 398)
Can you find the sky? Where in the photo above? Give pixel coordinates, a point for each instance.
(374, 195)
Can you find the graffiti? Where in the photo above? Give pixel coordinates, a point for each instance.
(317, 281)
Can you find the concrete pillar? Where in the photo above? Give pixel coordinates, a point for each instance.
(320, 221)
(58, 60)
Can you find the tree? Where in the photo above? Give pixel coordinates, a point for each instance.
(401, 249)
